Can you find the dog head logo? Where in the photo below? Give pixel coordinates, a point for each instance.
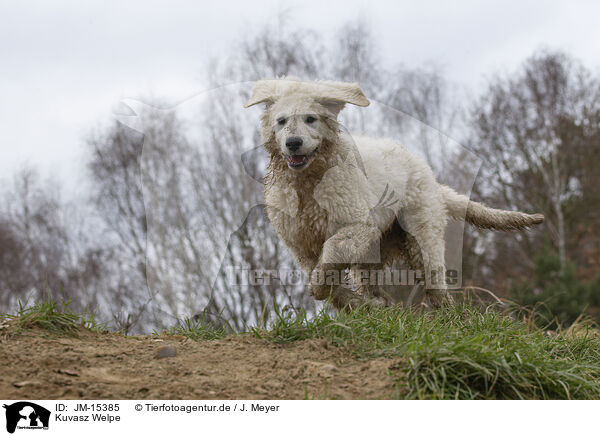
(26, 415)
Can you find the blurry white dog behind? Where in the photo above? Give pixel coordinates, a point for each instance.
(353, 203)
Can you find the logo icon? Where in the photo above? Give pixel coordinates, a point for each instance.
(26, 415)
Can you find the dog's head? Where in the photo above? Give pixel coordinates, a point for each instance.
(301, 116)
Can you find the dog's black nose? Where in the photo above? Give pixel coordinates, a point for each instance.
(293, 143)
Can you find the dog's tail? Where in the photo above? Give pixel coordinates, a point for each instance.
(461, 208)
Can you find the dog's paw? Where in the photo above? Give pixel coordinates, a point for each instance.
(438, 298)
(319, 292)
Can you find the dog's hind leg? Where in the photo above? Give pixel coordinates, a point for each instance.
(430, 239)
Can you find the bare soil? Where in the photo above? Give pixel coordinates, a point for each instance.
(38, 365)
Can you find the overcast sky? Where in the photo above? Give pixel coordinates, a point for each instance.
(65, 65)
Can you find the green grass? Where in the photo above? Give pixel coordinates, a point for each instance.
(197, 330)
(53, 316)
(454, 353)
(459, 352)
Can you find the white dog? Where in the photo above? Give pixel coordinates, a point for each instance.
(342, 203)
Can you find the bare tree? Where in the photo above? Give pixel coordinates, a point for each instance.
(39, 255)
(425, 95)
(533, 128)
(114, 169)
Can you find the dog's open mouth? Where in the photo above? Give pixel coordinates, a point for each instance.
(299, 160)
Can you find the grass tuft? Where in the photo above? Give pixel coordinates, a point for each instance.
(198, 329)
(53, 316)
(458, 352)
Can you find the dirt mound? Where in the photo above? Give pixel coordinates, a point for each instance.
(38, 365)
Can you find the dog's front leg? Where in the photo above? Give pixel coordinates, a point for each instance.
(352, 244)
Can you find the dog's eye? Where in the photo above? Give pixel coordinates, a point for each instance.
(310, 119)
(281, 121)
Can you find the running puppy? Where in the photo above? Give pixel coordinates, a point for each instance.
(342, 202)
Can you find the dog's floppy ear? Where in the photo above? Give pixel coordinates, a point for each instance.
(336, 94)
(345, 92)
(263, 92)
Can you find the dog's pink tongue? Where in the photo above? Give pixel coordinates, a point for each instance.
(297, 159)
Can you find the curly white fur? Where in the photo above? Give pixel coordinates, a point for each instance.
(341, 201)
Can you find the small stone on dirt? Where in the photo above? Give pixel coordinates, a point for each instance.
(25, 383)
(68, 372)
(327, 371)
(166, 351)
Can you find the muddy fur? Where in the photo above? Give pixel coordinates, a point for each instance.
(349, 203)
